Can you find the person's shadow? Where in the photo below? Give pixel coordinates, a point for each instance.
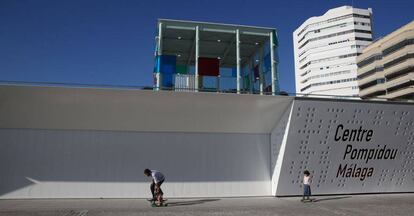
(191, 202)
(330, 198)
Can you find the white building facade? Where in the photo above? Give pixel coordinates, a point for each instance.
(325, 49)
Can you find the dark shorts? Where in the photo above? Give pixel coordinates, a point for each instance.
(306, 190)
(160, 183)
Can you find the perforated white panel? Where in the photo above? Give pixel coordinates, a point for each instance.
(349, 147)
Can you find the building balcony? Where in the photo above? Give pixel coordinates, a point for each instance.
(409, 90)
(397, 54)
(371, 90)
(369, 67)
(372, 77)
(398, 67)
(399, 80)
(392, 42)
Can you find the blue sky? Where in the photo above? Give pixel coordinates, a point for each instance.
(112, 42)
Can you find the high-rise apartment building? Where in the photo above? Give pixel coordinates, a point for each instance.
(386, 67)
(325, 49)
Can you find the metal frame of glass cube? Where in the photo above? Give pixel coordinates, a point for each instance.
(248, 50)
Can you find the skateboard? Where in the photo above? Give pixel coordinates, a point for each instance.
(150, 200)
(307, 200)
(163, 203)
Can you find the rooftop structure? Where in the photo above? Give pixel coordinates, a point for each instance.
(201, 56)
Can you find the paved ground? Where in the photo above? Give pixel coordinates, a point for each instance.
(390, 204)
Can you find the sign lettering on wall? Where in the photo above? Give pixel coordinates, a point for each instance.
(360, 154)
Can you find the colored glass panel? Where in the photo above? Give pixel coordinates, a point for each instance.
(181, 69)
(208, 66)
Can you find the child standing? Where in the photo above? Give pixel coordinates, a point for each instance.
(306, 186)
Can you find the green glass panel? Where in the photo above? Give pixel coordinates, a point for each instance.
(246, 82)
(181, 69)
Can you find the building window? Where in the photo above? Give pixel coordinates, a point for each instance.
(328, 83)
(397, 46)
(369, 60)
(379, 81)
(398, 60)
(370, 72)
(337, 34)
(332, 20)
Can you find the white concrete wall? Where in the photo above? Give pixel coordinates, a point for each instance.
(278, 142)
(60, 142)
(92, 164)
(135, 110)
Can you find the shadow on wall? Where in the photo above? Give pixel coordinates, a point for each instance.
(28, 156)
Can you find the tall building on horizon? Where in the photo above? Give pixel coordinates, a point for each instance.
(386, 67)
(325, 50)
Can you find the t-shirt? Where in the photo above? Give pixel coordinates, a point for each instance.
(157, 176)
(306, 180)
